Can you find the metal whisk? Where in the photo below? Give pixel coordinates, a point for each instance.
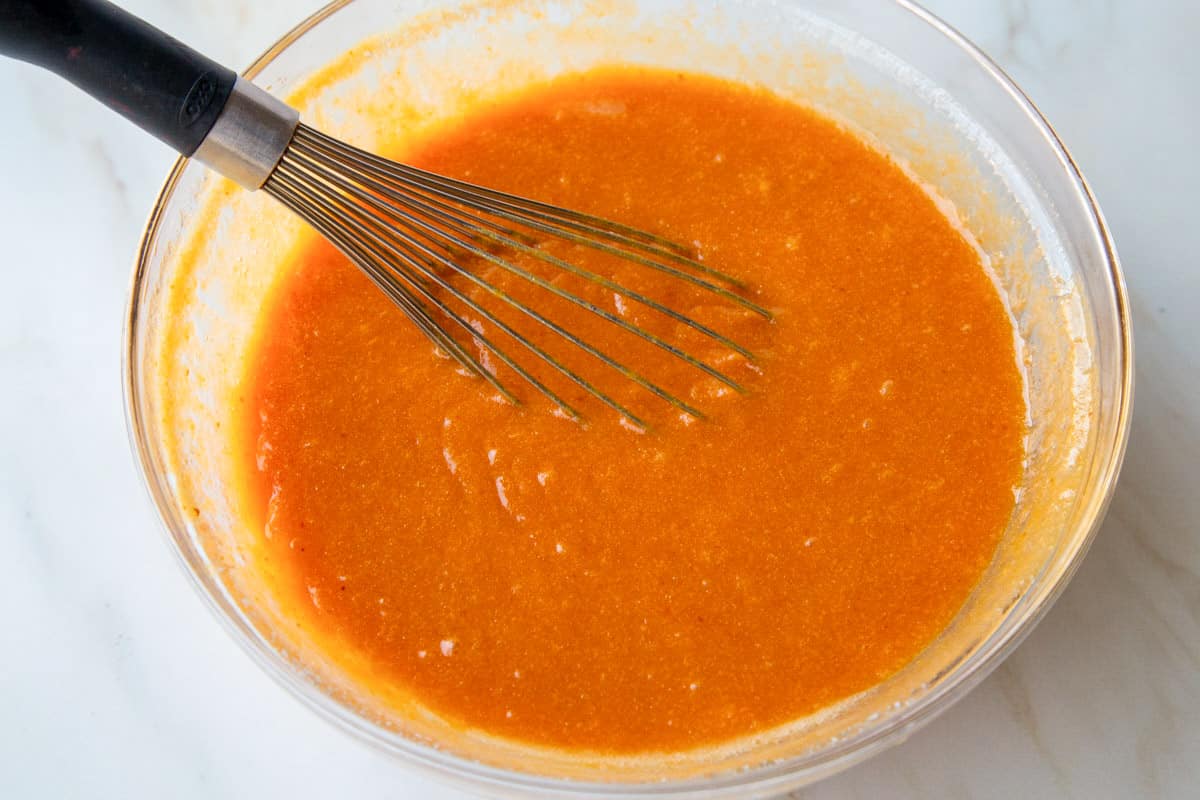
(407, 229)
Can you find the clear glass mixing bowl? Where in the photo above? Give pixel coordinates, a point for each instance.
(887, 69)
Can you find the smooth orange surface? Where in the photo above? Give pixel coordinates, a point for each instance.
(603, 588)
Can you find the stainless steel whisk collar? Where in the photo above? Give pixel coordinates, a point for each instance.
(249, 136)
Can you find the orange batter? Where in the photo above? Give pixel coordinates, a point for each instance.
(616, 590)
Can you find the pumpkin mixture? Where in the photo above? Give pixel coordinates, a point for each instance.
(601, 587)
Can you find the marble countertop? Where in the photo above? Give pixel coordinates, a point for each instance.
(116, 682)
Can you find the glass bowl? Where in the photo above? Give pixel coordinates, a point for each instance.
(888, 70)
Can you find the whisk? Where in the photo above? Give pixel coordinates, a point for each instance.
(405, 228)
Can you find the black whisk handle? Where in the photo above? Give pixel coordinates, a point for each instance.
(162, 85)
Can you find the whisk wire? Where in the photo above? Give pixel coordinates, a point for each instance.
(402, 252)
(438, 212)
(541, 319)
(403, 226)
(555, 221)
(444, 213)
(377, 273)
(478, 336)
(574, 339)
(481, 196)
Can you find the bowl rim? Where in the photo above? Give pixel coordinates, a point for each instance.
(766, 778)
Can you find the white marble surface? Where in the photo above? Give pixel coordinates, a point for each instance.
(115, 681)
